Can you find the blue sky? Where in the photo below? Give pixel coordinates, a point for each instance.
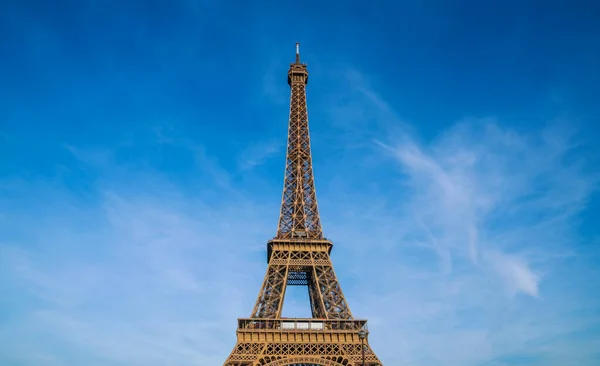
(142, 152)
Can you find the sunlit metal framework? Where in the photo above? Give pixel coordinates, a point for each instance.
(299, 255)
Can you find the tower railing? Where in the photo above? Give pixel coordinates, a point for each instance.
(300, 324)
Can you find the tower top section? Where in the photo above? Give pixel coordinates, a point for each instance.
(299, 218)
(298, 72)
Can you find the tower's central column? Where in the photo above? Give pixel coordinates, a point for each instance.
(299, 216)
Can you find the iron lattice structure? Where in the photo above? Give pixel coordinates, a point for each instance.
(299, 255)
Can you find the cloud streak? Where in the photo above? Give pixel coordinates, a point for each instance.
(255, 155)
(107, 276)
(497, 210)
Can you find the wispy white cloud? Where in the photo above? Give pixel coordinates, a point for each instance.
(496, 211)
(256, 154)
(134, 277)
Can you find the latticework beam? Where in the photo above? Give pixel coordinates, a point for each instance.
(289, 266)
(299, 216)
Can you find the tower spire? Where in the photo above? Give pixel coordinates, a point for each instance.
(299, 216)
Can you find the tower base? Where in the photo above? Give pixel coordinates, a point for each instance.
(282, 342)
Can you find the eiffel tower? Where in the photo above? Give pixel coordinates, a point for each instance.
(299, 255)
